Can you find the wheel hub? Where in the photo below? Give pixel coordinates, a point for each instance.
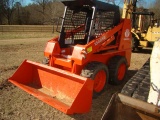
(100, 80)
(121, 71)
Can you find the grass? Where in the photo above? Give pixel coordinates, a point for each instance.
(15, 47)
(23, 35)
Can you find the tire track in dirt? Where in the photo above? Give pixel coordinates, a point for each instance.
(5, 84)
(7, 69)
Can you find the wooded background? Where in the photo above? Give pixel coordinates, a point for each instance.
(46, 12)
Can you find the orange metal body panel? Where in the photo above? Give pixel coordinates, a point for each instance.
(58, 88)
(65, 63)
(52, 47)
(96, 49)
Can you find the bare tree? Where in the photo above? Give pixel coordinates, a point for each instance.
(7, 8)
(18, 7)
(155, 8)
(1, 12)
(42, 4)
(55, 10)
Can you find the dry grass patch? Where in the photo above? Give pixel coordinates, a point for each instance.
(21, 35)
(14, 51)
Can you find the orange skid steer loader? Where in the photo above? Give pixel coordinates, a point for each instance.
(92, 50)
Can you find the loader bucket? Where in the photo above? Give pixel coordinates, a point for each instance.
(122, 107)
(63, 90)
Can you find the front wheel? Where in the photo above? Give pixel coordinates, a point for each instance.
(99, 73)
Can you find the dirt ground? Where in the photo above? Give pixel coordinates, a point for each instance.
(16, 104)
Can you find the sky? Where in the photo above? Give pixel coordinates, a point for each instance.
(148, 3)
(26, 2)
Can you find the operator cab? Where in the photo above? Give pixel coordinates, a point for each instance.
(85, 22)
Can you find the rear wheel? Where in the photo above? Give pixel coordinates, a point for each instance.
(117, 69)
(99, 73)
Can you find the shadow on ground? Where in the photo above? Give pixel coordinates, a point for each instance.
(144, 51)
(100, 104)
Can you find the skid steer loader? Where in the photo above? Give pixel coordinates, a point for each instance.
(92, 50)
(145, 29)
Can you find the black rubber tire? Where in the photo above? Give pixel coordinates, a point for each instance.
(139, 85)
(113, 66)
(90, 71)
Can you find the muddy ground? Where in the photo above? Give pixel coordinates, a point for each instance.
(16, 104)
